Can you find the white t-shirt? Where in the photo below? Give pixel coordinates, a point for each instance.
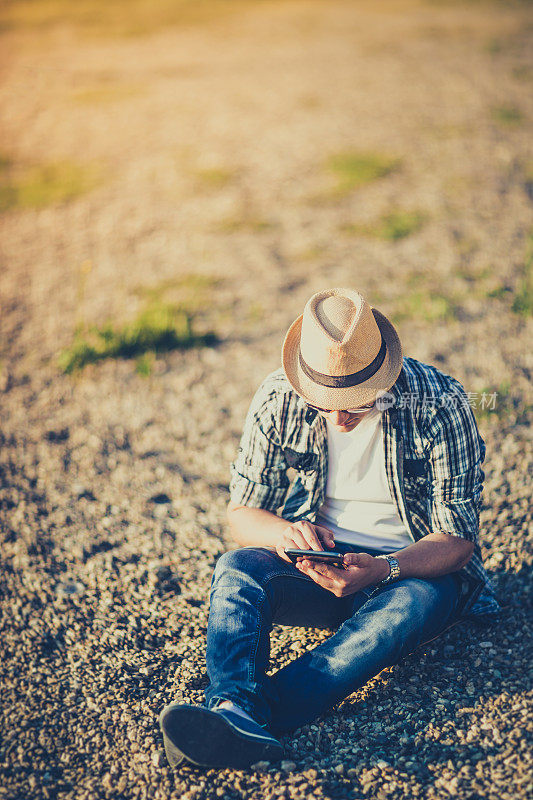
(359, 508)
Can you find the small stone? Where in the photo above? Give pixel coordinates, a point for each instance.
(60, 435)
(261, 766)
(485, 644)
(382, 764)
(339, 769)
(288, 766)
(158, 758)
(160, 499)
(69, 588)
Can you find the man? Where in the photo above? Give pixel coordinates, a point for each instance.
(387, 461)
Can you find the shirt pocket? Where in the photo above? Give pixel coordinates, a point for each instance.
(301, 462)
(303, 465)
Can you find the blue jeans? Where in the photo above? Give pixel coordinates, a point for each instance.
(252, 588)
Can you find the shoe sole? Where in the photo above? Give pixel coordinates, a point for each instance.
(206, 739)
(174, 756)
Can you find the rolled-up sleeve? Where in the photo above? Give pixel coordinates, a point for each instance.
(259, 473)
(456, 455)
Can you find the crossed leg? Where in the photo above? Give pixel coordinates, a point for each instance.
(253, 588)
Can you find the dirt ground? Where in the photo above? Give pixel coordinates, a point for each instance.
(224, 147)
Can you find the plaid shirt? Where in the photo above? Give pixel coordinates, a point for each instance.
(433, 457)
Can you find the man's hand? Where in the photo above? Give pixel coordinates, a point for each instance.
(361, 570)
(303, 535)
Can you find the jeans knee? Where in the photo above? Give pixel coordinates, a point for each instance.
(246, 564)
(420, 598)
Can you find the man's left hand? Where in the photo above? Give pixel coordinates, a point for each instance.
(361, 570)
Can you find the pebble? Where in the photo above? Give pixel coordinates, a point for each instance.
(261, 766)
(288, 766)
(69, 588)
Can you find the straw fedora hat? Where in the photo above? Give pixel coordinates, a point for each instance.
(341, 353)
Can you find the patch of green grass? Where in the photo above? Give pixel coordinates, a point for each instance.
(355, 169)
(391, 227)
(159, 328)
(164, 323)
(498, 292)
(255, 313)
(523, 297)
(190, 292)
(494, 46)
(215, 177)
(524, 72)
(107, 93)
(493, 400)
(507, 115)
(425, 304)
(501, 402)
(312, 253)
(45, 184)
(144, 364)
(482, 281)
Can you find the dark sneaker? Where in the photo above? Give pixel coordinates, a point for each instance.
(215, 738)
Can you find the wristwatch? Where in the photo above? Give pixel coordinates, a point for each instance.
(394, 570)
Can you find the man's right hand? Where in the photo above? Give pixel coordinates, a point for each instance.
(303, 535)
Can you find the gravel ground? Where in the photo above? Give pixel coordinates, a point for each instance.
(213, 142)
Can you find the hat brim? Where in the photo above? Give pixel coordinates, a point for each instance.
(350, 397)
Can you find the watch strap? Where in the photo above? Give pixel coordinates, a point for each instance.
(394, 569)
